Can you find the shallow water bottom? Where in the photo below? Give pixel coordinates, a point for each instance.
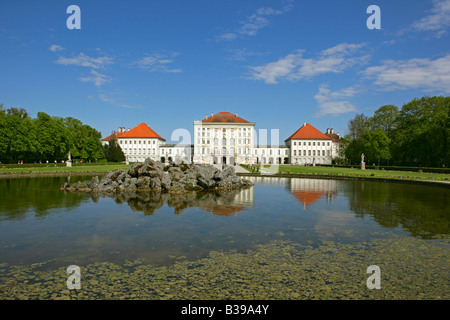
(411, 268)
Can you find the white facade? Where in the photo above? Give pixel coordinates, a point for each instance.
(271, 155)
(175, 152)
(310, 151)
(139, 149)
(224, 142)
(230, 142)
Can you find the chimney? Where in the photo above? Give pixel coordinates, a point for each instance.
(332, 130)
(206, 116)
(304, 124)
(236, 114)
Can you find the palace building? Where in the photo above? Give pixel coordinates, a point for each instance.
(226, 138)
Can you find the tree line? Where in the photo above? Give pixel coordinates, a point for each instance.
(46, 138)
(417, 134)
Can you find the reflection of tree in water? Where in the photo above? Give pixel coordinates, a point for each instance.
(421, 210)
(219, 202)
(40, 195)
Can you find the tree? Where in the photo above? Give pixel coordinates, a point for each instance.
(113, 152)
(352, 149)
(52, 138)
(358, 125)
(422, 134)
(376, 146)
(385, 118)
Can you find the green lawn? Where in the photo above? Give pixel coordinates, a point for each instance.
(76, 169)
(355, 172)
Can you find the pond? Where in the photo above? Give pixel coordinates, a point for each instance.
(283, 238)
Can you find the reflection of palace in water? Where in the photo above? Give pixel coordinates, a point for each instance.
(226, 202)
(307, 191)
(230, 206)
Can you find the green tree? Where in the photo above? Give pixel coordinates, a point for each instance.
(422, 134)
(352, 149)
(52, 138)
(16, 132)
(358, 125)
(385, 118)
(376, 146)
(113, 152)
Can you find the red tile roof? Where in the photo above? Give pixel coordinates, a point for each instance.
(307, 131)
(225, 117)
(115, 135)
(308, 197)
(141, 131)
(334, 136)
(224, 210)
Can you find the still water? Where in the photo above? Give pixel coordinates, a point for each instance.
(38, 222)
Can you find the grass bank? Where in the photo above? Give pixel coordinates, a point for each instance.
(355, 173)
(85, 169)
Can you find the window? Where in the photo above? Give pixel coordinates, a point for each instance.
(224, 141)
(328, 143)
(295, 143)
(304, 152)
(314, 143)
(295, 152)
(309, 143)
(323, 152)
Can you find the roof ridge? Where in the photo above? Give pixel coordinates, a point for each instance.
(307, 131)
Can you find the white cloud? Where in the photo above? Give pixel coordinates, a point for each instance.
(97, 78)
(256, 21)
(157, 62)
(106, 98)
(227, 36)
(426, 74)
(86, 61)
(55, 48)
(334, 102)
(438, 19)
(241, 54)
(295, 67)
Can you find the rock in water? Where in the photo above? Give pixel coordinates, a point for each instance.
(155, 176)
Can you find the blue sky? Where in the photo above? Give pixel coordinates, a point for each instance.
(168, 63)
